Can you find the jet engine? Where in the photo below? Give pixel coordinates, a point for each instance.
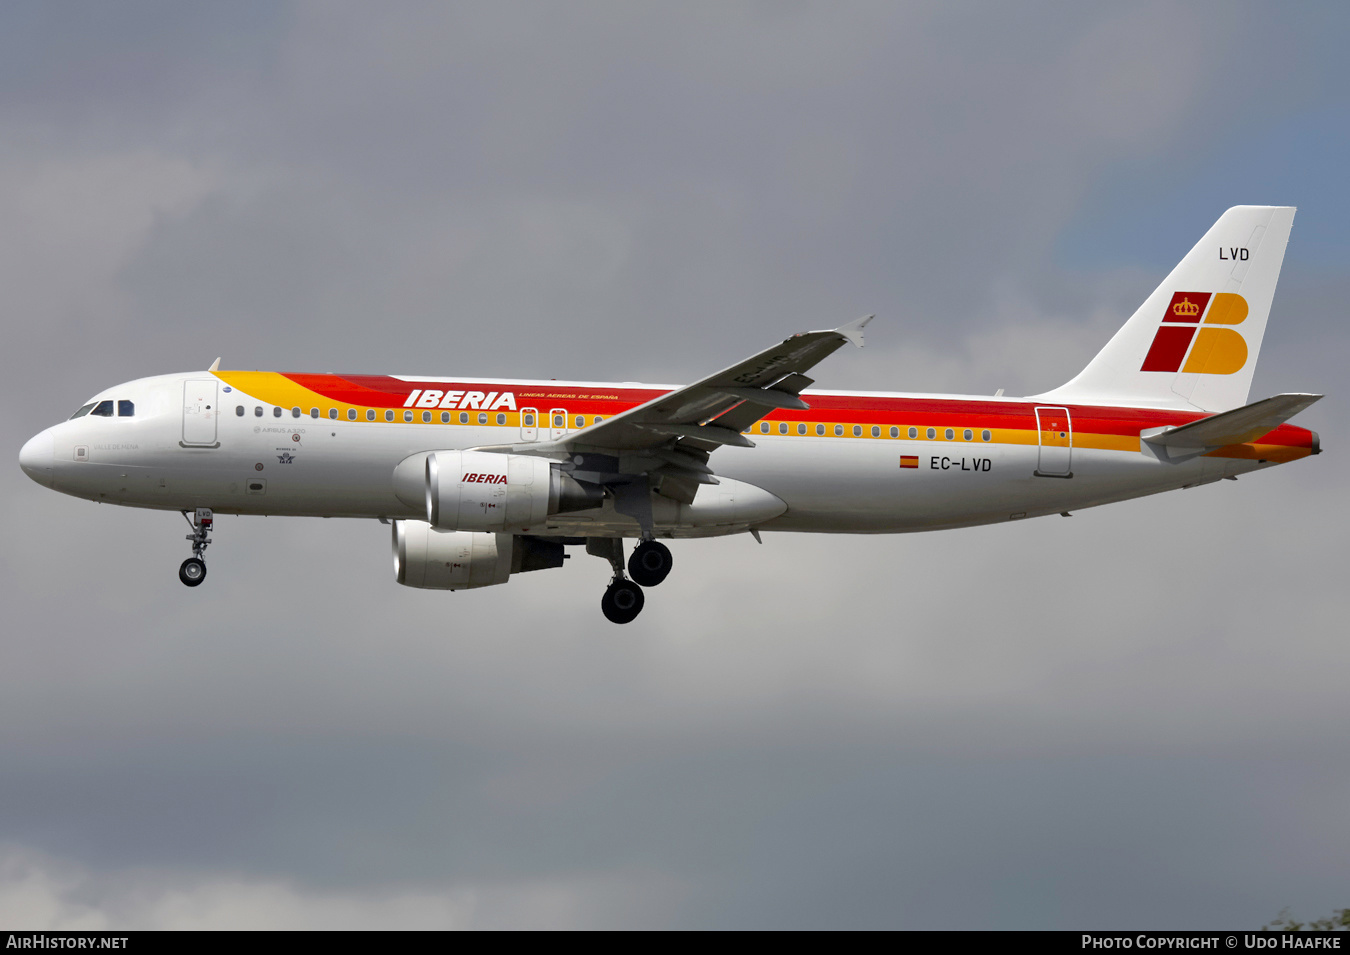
(431, 558)
(483, 491)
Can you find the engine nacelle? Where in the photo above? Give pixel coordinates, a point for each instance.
(431, 558)
(483, 491)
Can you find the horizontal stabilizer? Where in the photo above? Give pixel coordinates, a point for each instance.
(1233, 427)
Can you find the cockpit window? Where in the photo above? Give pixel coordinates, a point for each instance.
(104, 408)
(83, 411)
(125, 409)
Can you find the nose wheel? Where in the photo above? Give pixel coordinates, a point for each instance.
(193, 570)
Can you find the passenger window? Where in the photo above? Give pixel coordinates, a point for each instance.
(529, 421)
(501, 418)
(103, 409)
(598, 419)
(426, 417)
(913, 432)
(82, 412)
(581, 421)
(276, 412)
(968, 434)
(332, 413)
(482, 418)
(559, 421)
(801, 429)
(839, 431)
(407, 416)
(125, 409)
(463, 417)
(876, 432)
(857, 431)
(389, 415)
(239, 410)
(782, 428)
(445, 417)
(949, 434)
(313, 412)
(295, 412)
(370, 414)
(351, 414)
(895, 432)
(764, 427)
(985, 434)
(820, 429)
(931, 434)
(257, 411)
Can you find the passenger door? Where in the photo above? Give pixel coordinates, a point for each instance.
(529, 424)
(1056, 440)
(201, 412)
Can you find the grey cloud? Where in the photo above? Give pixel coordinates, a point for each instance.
(1126, 718)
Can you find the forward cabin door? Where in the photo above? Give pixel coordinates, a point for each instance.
(201, 412)
(1056, 434)
(529, 424)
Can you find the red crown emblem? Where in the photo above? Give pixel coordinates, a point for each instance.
(1186, 308)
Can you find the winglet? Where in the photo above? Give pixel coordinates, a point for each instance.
(853, 331)
(214, 365)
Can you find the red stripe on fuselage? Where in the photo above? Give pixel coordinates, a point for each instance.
(381, 391)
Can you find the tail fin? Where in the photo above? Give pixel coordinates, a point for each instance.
(1194, 341)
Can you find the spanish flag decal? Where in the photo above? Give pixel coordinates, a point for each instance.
(909, 460)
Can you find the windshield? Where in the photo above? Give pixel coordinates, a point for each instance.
(83, 411)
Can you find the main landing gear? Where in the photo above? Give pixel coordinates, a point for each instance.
(193, 570)
(649, 565)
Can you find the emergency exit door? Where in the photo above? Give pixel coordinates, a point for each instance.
(1056, 440)
(529, 424)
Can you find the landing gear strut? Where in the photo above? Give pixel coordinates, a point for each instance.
(623, 599)
(193, 570)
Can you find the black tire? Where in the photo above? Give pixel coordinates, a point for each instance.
(650, 563)
(193, 571)
(622, 601)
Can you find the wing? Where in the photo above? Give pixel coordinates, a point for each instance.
(670, 438)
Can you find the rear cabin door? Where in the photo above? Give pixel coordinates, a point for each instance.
(529, 424)
(1056, 438)
(201, 412)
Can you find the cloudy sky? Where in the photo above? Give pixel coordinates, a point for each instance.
(1134, 718)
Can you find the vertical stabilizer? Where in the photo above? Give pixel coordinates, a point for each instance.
(1194, 341)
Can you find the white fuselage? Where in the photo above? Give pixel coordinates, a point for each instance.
(267, 461)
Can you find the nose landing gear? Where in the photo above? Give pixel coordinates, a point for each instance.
(193, 570)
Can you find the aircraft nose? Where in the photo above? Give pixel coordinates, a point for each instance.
(38, 456)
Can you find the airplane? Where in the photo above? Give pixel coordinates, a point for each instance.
(482, 478)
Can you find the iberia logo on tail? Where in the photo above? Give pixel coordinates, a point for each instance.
(1205, 349)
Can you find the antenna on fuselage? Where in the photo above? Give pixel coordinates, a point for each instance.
(214, 365)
